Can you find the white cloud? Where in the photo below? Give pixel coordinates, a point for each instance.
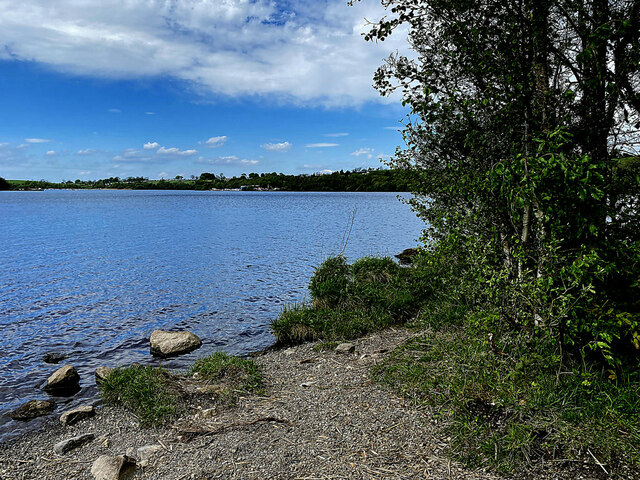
(277, 147)
(336, 134)
(86, 151)
(150, 113)
(50, 153)
(321, 145)
(301, 52)
(163, 174)
(86, 172)
(215, 142)
(132, 155)
(363, 151)
(151, 145)
(114, 110)
(37, 140)
(175, 151)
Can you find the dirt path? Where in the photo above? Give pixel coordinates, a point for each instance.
(322, 418)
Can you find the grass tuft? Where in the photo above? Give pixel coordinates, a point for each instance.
(239, 374)
(144, 391)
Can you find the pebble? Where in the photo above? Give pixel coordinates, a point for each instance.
(345, 348)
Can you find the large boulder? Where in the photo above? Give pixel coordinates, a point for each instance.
(64, 381)
(168, 344)
(120, 467)
(80, 413)
(33, 409)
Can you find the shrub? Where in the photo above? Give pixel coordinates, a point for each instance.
(349, 301)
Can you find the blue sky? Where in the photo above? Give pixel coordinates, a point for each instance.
(93, 89)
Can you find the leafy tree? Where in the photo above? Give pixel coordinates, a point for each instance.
(522, 142)
(4, 185)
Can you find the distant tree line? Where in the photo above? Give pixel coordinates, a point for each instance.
(357, 180)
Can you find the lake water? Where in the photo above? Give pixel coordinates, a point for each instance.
(92, 273)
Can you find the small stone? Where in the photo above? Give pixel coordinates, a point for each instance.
(345, 348)
(70, 443)
(102, 373)
(145, 453)
(33, 409)
(63, 381)
(207, 413)
(120, 467)
(167, 344)
(54, 357)
(73, 416)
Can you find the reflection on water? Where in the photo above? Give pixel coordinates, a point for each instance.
(93, 273)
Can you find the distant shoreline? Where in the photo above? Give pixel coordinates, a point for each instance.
(359, 180)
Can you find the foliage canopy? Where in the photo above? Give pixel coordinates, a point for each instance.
(523, 141)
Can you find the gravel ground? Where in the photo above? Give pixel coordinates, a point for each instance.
(321, 418)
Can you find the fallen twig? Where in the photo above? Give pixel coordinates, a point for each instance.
(597, 462)
(190, 434)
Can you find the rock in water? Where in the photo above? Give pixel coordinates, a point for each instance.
(70, 443)
(73, 416)
(168, 344)
(53, 357)
(33, 409)
(64, 381)
(102, 373)
(120, 467)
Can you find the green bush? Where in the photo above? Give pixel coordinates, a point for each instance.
(349, 301)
